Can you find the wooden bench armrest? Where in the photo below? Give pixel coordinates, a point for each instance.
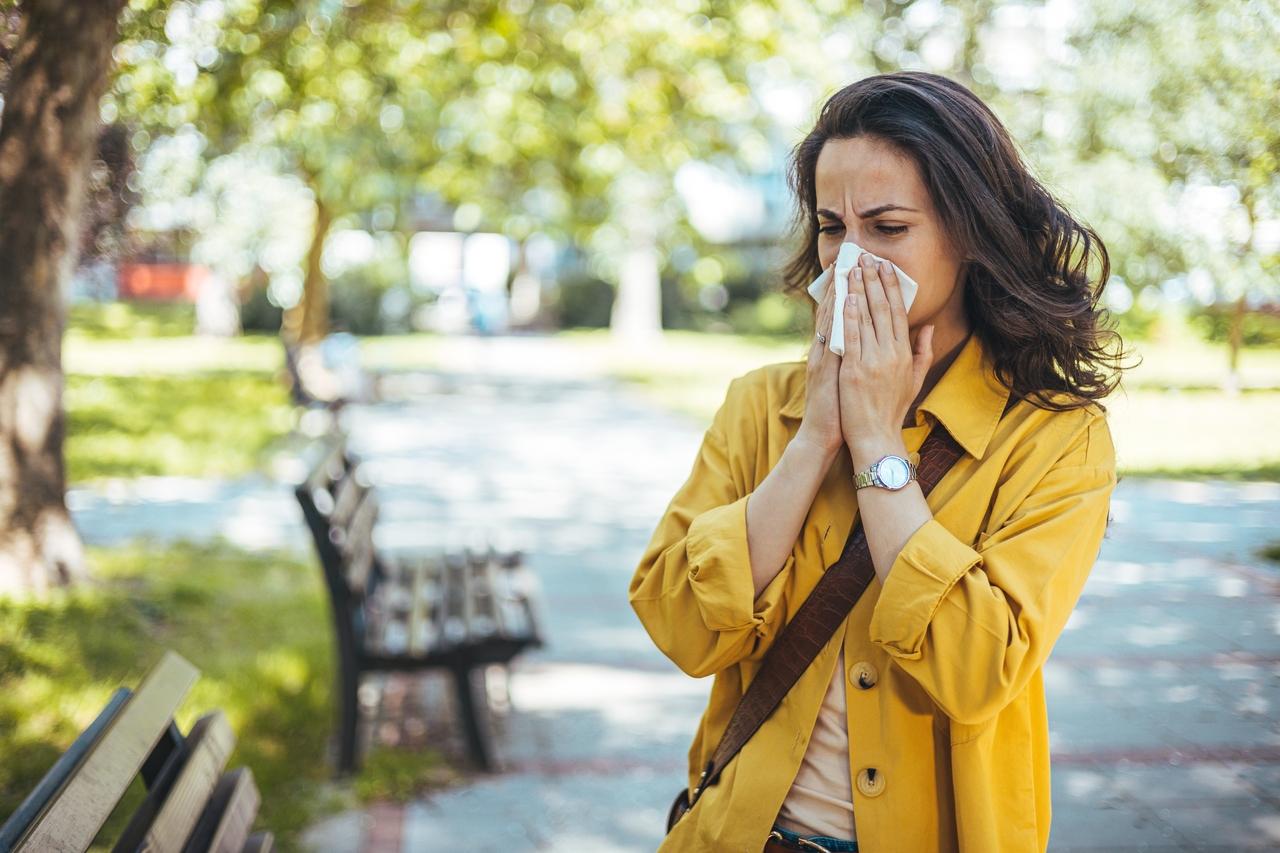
(73, 817)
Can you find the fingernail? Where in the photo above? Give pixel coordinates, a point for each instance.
(857, 273)
(884, 267)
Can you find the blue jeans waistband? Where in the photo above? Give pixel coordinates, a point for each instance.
(835, 845)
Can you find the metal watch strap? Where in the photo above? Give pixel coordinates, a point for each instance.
(818, 617)
(864, 479)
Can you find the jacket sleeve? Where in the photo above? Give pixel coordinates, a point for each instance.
(693, 589)
(972, 626)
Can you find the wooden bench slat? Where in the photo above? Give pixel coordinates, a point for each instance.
(209, 746)
(357, 545)
(158, 774)
(76, 814)
(471, 592)
(490, 614)
(454, 611)
(517, 601)
(394, 606)
(418, 614)
(347, 494)
(433, 592)
(62, 769)
(330, 466)
(224, 826)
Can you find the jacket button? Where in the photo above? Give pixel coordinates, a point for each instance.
(870, 782)
(863, 674)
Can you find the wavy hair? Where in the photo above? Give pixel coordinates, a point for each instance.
(1028, 291)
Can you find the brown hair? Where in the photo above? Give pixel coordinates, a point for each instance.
(1028, 292)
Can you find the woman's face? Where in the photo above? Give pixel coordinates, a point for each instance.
(872, 194)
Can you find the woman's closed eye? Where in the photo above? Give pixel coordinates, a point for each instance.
(883, 229)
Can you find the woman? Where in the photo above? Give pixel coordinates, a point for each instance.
(921, 725)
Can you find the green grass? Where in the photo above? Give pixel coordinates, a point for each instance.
(256, 625)
(402, 775)
(88, 356)
(215, 424)
(1196, 433)
(130, 320)
(144, 397)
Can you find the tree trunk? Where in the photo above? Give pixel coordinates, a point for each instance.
(47, 135)
(308, 321)
(525, 295)
(637, 308)
(1235, 332)
(1235, 340)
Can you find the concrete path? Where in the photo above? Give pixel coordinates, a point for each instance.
(1163, 690)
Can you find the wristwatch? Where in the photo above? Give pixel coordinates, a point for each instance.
(889, 472)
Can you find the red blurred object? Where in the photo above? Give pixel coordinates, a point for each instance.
(162, 282)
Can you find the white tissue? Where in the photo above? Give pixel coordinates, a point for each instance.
(845, 261)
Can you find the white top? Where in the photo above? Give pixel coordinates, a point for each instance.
(820, 801)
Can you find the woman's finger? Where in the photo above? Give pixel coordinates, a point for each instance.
(877, 303)
(866, 328)
(822, 320)
(853, 332)
(897, 308)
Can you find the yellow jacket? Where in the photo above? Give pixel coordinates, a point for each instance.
(954, 722)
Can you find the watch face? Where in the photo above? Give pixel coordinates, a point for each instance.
(893, 472)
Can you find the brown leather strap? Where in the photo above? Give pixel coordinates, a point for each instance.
(818, 617)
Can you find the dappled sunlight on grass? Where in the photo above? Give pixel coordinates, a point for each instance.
(196, 425)
(100, 320)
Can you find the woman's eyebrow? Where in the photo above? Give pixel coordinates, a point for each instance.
(866, 214)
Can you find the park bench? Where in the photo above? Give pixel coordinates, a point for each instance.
(457, 611)
(190, 804)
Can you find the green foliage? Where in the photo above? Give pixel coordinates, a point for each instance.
(98, 320)
(1136, 324)
(572, 118)
(771, 314)
(1258, 330)
(217, 424)
(1179, 99)
(257, 627)
(582, 302)
(569, 119)
(358, 293)
(259, 314)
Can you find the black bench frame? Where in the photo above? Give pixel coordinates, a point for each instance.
(462, 611)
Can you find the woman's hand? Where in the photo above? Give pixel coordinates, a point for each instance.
(879, 376)
(821, 425)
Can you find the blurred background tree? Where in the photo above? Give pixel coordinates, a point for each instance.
(1180, 100)
(565, 120)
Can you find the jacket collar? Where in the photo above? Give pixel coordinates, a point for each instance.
(968, 399)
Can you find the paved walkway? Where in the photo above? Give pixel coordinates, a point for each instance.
(1163, 690)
